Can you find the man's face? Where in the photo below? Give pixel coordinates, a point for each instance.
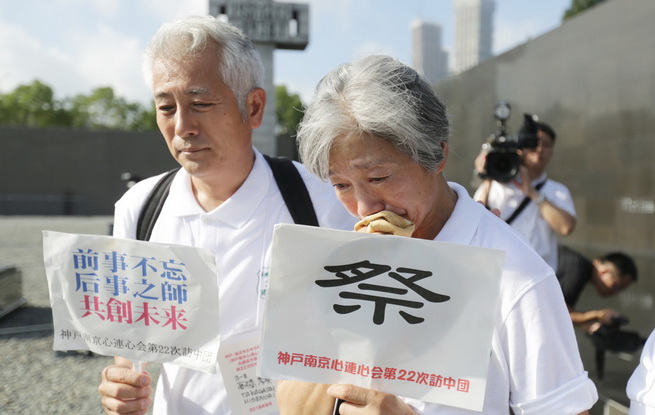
(370, 175)
(198, 114)
(608, 279)
(538, 158)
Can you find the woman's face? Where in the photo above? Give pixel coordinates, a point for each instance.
(369, 175)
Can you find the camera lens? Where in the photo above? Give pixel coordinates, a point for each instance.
(502, 166)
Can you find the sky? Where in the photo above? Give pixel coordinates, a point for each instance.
(75, 46)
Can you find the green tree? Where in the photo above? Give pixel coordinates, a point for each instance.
(104, 110)
(288, 110)
(579, 6)
(147, 118)
(32, 105)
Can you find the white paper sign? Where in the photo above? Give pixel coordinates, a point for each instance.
(140, 300)
(400, 315)
(248, 393)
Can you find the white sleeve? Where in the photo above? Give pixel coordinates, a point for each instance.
(641, 386)
(560, 196)
(546, 372)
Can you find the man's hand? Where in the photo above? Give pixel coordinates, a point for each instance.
(559, 220)
(362, 401)
(607, 315)
(522, 181)
(593, 319)
(480, 162)
(125, 391)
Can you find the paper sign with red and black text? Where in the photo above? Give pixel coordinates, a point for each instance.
(140, 300)
(405, 316)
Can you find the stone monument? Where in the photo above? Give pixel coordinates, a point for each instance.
(270, 25)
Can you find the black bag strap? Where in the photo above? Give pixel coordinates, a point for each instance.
(523, 204)
(152, 208)
(293, 190)
(291, 185)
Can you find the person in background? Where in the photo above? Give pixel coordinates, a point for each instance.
(641, 386)
(206, 79)
(376, 130)
(550, 211)
(609, 274)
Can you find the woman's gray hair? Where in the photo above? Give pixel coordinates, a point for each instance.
(377, 96)
(240, 64)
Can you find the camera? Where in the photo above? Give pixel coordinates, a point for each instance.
(503, 159)
(611, 337)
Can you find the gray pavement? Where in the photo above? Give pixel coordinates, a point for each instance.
(33, 378)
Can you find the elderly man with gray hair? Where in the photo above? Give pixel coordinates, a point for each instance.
(206, 79)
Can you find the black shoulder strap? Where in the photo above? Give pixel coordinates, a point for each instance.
(292, 187)
(152, 208)
(523, 204)
(293, 190)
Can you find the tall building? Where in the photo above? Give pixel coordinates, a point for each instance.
(428, 57)
(473, 32)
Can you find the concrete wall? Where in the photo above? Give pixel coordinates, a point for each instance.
(59, 171)
(72, 172)
(593, 80)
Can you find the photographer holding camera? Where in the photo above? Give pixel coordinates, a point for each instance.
(514, 177)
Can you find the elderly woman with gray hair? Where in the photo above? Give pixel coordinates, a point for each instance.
(376, 130)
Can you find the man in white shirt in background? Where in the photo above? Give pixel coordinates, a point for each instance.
(550, 211)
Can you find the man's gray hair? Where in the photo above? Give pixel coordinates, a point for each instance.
(376, 96)
(240, 64)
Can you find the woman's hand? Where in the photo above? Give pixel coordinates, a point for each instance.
(303, 398)
(362, 401)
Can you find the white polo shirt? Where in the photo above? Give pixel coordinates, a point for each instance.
(535, 364)
(239, 232)
(641, 386)
(529, 223)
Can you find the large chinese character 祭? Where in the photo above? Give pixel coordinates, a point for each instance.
(379, 134)
(364, 270)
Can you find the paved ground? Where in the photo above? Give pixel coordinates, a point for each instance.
(33, 378)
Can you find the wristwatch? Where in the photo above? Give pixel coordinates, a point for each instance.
(539, 199)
